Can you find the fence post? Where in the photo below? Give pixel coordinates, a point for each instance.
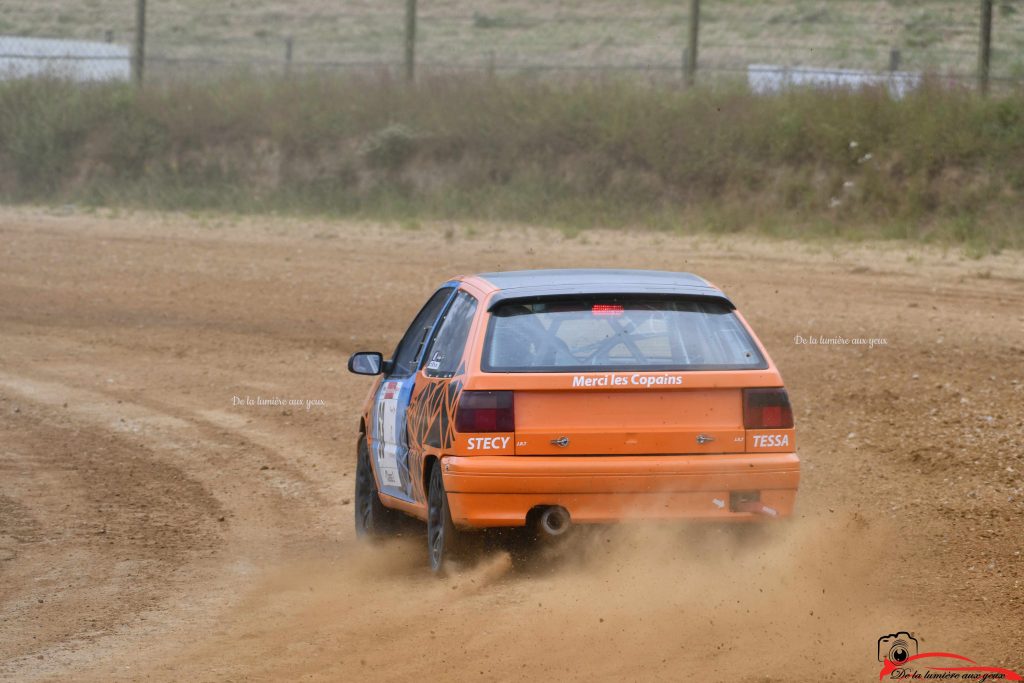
(288, 55)
(985, 47)
(894, 59)
(690, 55)
(139, 52)
(410, 40)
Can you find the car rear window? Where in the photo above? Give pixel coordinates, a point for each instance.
(616, 333)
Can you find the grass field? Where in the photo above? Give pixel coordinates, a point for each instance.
(939, 165)
(933, 35)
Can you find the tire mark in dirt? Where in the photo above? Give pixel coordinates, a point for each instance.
(108, 477)
(109, 525)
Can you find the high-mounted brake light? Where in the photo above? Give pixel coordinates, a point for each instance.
(767, 409)
(485, 411)
(607, 309)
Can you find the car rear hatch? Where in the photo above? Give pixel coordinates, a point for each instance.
(623, 422)
(624, 374)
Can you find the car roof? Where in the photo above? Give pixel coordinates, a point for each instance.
(518, 285)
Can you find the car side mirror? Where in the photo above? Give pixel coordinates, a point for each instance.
(366, 363)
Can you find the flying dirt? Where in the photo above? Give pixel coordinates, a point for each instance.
(177, 455)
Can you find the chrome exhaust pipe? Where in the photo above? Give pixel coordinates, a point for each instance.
(554, 521)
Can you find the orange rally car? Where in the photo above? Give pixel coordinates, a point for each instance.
(548, 398)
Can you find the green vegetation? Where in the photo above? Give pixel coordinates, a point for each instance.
(942, 165)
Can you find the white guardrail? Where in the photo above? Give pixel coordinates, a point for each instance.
(78, 60)
(769, 78)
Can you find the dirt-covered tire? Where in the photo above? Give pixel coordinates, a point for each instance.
(373, 520)
(445, 543)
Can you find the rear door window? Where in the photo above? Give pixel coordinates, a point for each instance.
(445, 352)
(616, 333)
(410, 349)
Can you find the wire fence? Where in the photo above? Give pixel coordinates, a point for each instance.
(835, 38)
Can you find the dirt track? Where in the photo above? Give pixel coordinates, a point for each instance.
(151, 529)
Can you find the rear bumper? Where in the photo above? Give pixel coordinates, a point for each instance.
(485, 491)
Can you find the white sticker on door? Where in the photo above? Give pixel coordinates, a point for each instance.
(387, 422)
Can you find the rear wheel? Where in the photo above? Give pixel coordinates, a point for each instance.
(372, 518)
(444, 542)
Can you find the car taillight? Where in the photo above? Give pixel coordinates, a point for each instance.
(485, 411)
(766, 409)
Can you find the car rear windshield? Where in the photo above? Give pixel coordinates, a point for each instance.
(616, 333)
